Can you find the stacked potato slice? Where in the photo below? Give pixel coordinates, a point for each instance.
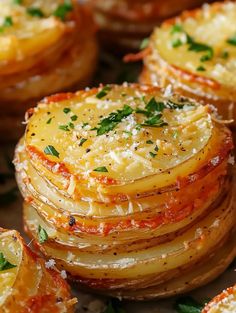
(125, 23)
(132, 186)
(223, 303)
(26, 285)
(196, 52)
(44, 49)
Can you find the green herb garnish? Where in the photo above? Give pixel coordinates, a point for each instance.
(35, 12)
(109, 123)
(71, 125)
(82, 141)
(102, 169)
(232, 40)
(177, 28)
(144, 43)
(4, 264)
(63, 9)
(155, 121)
(50, 150)
(74, 117)
(7, 23)
(153, 155)
(188, 305)
(42, 234)
(176, 43)
(64, 127)
(103, 92)
(149, 142)
(225, 54)
(49, 121)
(17, 1)
(66, 110)
(200, 68)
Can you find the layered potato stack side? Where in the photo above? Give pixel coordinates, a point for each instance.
(133, 187)
(223, 303)
(196, 52)
(26, 284)
(125, 23)
(44, 50)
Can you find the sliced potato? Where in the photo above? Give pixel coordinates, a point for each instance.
(26, 284)
(196, 53)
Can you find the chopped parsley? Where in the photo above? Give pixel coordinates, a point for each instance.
(33, 11)
(176, 43)
(66, 110)
(153, 105)
(201, 68)
(188, 305)
(74, 118)
(149, 142)
(7, 23)
(224, 54)
(84, 125)
(153, 155)
(102, 169)
(64, 128)
(4, 264)
(102, 93)
(50, 150)
(49, 121)
(154, 121)
(232, 40)
(63, 9)
(109, 123)
(177, 28)
(144, 43)
(82, 141)
(42, 234)
(17, 1)
(192, 44)
(71, 125)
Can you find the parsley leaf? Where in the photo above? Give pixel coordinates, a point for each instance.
(50, 150)
(63, 9)
(200, 68)
(103, 92)
(149, 142)
(188, 305)
(35, 12)
(232, 40)
(154, 121)
(82, 141)
(49, 121)
(4, 264)
(153, 105)
(152, 154)
(17, 1)
(109, 123)
(66, 110)
(64, 127)
(144, 43)
(176, 43)
(177, 28)
(7, 23)
(42, 234)
(102, 169)
(74, 118)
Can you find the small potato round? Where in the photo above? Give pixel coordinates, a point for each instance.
(133, 187)
(196, 53)
(124, 23)
(26, 285)
(45, 48)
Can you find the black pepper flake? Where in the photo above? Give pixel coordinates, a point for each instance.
(72, 221)
(87, 150)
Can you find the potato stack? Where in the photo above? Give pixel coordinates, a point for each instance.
(132, 185)
(196, 52)
(45, 47)
(26, 284)
(124, 23)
